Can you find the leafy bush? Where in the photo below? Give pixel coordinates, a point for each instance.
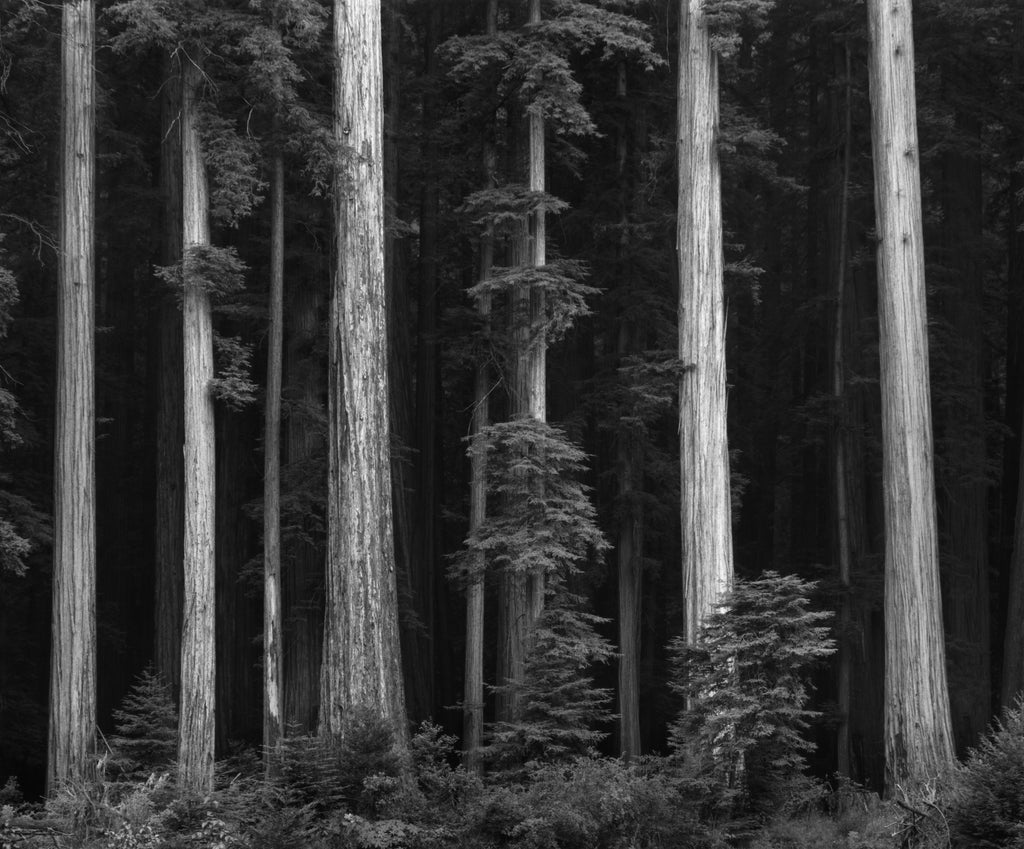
(987, 802)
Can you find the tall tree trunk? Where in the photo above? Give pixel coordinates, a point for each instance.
(303, 577)
(918, 735)
(521, 597)
(473, 693)
(198, 676)
(427, 386)
(273, 701)
(73, 646)
(703, 438)
(843, 540)
(361, 665)
(170, 403)
(629, 456)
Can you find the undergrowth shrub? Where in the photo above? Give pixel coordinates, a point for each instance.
(986, 806)
(746, 688)
(145, 739)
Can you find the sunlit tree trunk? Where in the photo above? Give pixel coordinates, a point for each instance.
(169, 521)
(361, 663)
(704, 449)
(918, 737)
(521, 597)
(198, 676)
(273, 701)
(73, 647)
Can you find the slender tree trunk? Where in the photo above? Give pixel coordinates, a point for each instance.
(918, 736)
(198, 675)
(304, 574)
(73, 647)
(521, 597)
(273, 702)
(844, 547)
(704, 447)
(170, 404)
(629, 451)
(361, 665)
(427, 385)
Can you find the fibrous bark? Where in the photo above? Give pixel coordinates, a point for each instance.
(918, 736)
(198, 676)
(361, 664)
(73, 647)
(704, 448)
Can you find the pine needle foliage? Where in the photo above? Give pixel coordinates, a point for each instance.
(562, 709)
(540, 518)
(146, 730)
(745, 682)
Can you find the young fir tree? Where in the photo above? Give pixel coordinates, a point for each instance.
(146, 730)
(542, 523)
(745, 685)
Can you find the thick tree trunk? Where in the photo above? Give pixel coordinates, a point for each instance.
(73, 647)
(273, 702)
(361, 665)
(703, 438)
(198, 677)
(918, 736)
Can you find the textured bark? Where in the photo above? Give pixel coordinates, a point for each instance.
(273, 700)
(521, 597)
(170, 402)
(198, 678)
(361, 663)
(918, 736)
(962, 485)
(73, 647)
(704, 448)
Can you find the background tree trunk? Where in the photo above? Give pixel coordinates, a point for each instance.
(198, 675)
(73, 647)
(273, 702)
(918, 736)
(170, 403)
(704, 447)
(361, 665)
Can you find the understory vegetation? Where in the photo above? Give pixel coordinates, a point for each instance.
(735, 774)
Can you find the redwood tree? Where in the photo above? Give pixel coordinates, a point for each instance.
(704, 448)
(918, 736)
(198, 673)
(361, 664)
(73, 646)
